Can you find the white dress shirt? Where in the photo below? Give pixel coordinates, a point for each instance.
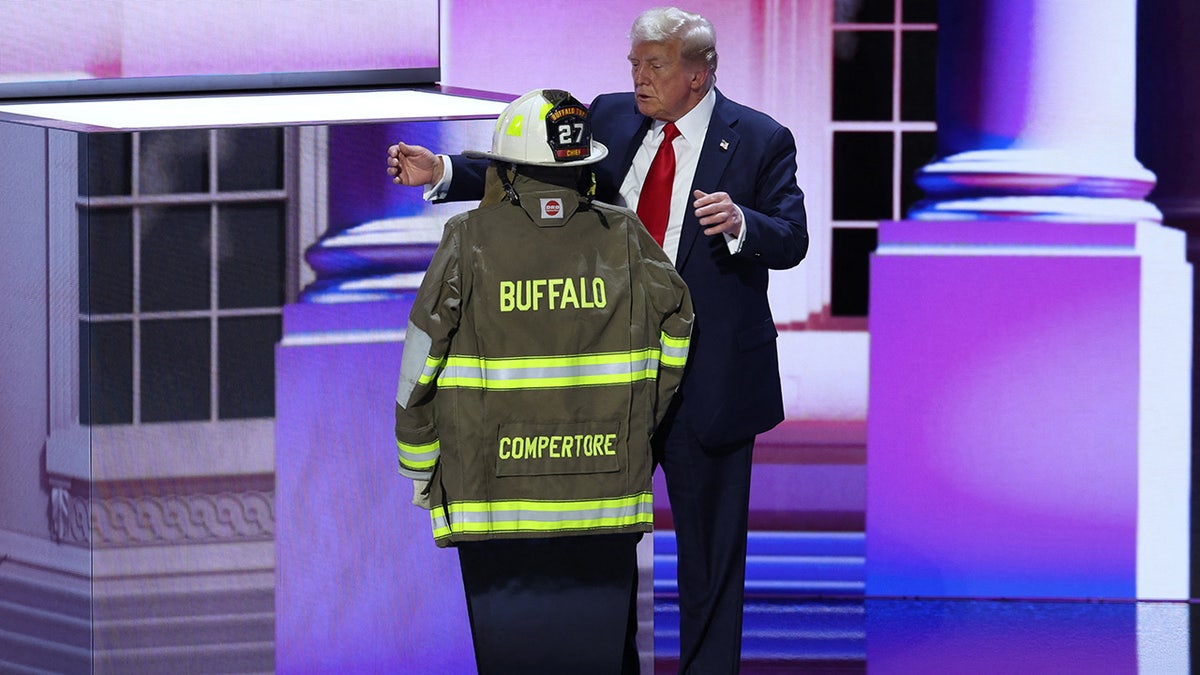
(693, 127)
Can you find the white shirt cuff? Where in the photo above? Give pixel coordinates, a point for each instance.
(735, 243)
(439, 189)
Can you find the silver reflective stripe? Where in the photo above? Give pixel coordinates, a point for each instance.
(548, 372)
(413, 365)
(552, 372)
(440, 526)
(674, 356)
(526, 515)
(419, 456)
(541, 516)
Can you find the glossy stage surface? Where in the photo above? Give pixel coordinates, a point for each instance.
(897, 635)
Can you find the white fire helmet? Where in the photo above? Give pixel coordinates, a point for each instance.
(545, 127)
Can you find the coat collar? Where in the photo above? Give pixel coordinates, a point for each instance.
(720, 142)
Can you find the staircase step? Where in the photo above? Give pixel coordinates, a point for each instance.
(760, 542)
(783, 630)
(153, 632)
(24, 653)
(782, 564)
(246, 657)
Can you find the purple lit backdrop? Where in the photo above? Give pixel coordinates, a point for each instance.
(977, 496)
(80, 39)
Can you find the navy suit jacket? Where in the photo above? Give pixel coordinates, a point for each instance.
(731, 389)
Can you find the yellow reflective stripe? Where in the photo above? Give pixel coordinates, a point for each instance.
(548, 506)
(675, 350)
(541, 516)
(552, 361)
(422, 456)
(497, 527)
(547, 382)
(432, 365)
(550, 372)
(672, 341)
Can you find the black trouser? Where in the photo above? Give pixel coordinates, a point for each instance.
(556, 606)
(709, 490)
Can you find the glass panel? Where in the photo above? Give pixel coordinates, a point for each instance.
(106, 372)
(246, 366)
(862, 75)
(864, 11)
(918, 76)
(173, 162)
(106, 261)
(850, 270)
(175, 370)
(920, 11)
(176, 245)
(917, 148)
(862, 175)
(250, 159)
(105, 164)
(251, 245)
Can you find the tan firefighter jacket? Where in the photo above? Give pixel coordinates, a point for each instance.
(542, 349)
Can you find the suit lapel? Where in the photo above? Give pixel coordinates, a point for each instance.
(629, 127)
(720, 142)
(636, 125)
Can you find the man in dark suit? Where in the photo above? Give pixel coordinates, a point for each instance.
(734, 182)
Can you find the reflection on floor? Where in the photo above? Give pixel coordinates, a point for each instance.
(805, 612)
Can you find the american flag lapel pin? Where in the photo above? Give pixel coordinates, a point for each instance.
(724, 144)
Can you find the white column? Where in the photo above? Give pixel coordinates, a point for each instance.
(1035, 114)
(1030, 358)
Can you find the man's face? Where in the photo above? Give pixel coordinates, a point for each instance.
(665, 86)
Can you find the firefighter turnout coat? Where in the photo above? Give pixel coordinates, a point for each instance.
(544, 345)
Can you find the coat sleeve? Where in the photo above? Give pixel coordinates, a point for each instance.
(776, 220)
(432, 322)
(675, 337)
(468, 178)
(671, 303)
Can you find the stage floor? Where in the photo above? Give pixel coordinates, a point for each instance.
(898, 635)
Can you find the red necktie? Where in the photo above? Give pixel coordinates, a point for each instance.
(654, 204)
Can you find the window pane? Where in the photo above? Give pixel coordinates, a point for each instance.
(176, 241)
(106, 261)
(862, 175)
(175, 370)
(250, 159)
(918, 76)
(106, 372)
(920, 11)
(246, 347)
(173, 162)
(251, 255)
(916, 150)
(850, 270)
(864, 11)
(105, 164)
(862, 75)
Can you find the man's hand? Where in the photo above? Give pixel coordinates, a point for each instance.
(413, 165)
(717, 213)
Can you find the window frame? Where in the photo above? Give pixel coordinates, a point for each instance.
(895, 126)
(213, 447)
